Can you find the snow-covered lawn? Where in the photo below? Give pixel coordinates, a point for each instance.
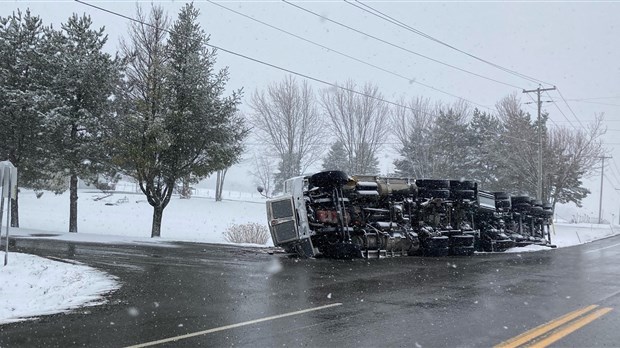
(31, 286)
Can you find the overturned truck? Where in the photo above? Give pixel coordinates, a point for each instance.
(332, 214)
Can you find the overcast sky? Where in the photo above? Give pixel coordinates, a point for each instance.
(572, 45)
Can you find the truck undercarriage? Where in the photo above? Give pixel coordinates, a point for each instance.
(331, 214)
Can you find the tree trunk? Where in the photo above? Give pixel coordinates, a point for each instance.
(218, 193)
(158, 213)
(15, 210)
(186, 191)
(73, 201)
(219, 184)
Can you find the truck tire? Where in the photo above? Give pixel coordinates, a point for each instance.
(463, 185)
(502, 204)
(433, 193)
(433, 184)
(462, 241)
(520, 199)
(501, 195)
(463, 194)
(462, 251)
(329, 179)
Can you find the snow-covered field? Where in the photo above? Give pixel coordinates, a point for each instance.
(32, 286)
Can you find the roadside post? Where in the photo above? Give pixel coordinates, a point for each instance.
(8, 182)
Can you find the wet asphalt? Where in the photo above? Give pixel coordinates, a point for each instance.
(476, 301)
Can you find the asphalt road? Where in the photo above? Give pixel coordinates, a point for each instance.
(205, 295)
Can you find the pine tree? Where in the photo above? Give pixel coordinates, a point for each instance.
(179, 124)
(482, 160)
(83, 86)
(336, 158)
(24, 100)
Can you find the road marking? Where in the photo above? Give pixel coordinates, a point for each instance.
(544, 328)
(232, 326)
(574, 326)
(550, 333)
(599, 249)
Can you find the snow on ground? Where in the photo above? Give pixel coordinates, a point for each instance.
(31, 286)
(566, 234)
(127, 216)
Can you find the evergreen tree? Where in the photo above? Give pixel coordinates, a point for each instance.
(482, 160)
(178, 124)
(518, 155)
(84, 81)
(336, 158)
(24, 100)
(451, 144)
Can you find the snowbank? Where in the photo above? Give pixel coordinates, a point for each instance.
(32, 286)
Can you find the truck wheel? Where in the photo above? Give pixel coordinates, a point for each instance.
(463, 185)
(501, 195)
(329, 179)
(430, 193)
(462, 241)
(462, 251)
(520, 199)
(502, 204)
(464, 194)
(433, 183)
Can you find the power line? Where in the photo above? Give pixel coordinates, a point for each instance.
(394, 21)
(569, 108)
(398, 46)
(251, 58)
(595, 98)
(410, 80)
(561, 112)
(592, 102)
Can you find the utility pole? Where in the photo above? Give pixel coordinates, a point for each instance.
(600, 200)
(538, 91)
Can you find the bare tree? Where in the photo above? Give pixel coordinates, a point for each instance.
(263, 173)
(359, 122)
(286, 118)
(570, 156)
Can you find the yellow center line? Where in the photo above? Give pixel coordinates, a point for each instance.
(228, 327)
(543, 329)
(572, 327)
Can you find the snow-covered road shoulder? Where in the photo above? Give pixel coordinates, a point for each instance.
(566, 235)
(31, 286)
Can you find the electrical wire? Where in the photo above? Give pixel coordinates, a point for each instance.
(562, 112)
(251, 58)
(398, 46)
(280, 68)
(410, 80)
(382, 15)
(569, 108)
